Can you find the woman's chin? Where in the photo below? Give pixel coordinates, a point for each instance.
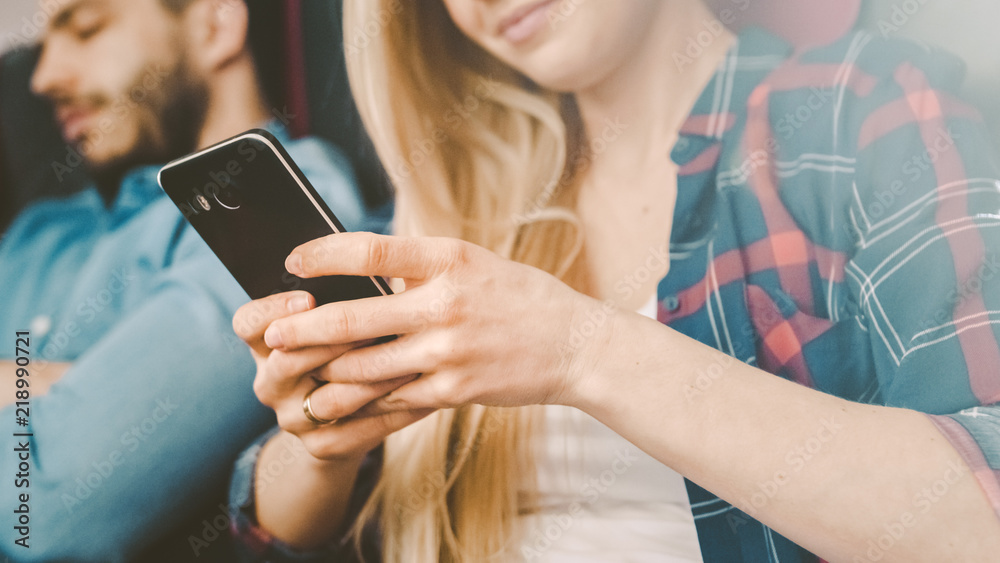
(560, 76)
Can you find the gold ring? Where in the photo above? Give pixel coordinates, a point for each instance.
(307, 408)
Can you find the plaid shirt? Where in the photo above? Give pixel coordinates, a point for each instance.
(836, 225)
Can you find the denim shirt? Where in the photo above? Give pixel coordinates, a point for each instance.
(158, 401)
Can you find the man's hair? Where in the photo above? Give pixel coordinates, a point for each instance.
(265, 37)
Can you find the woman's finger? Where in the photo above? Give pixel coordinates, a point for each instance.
(352, 435)
(422, 393)
(361, 319)
(288, 406)
(368, 254)
(280, 372)
(332, 401)
(416, 353)
(253, 318)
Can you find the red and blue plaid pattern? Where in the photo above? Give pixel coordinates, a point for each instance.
(837, 225)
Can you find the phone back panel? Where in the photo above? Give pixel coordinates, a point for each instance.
(252, 206)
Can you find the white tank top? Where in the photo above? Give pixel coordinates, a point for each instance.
(603, 499)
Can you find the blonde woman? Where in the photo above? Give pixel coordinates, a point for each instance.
(823, 355)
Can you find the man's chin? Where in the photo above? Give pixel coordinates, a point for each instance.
(153, 135)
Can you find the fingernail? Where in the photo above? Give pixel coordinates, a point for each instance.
(298, 304)
(294, 264)
(272, 337)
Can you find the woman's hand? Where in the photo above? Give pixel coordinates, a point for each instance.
(283, 380)
(478, 328)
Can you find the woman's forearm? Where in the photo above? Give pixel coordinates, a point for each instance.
(829, 474)
(301, 500)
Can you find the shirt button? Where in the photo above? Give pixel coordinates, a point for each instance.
(680, 153)
(671, 303)
(40, 326)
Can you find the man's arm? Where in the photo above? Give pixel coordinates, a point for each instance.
(142, 428)
(41, 379)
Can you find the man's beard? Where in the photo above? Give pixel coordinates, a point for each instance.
(169, 123)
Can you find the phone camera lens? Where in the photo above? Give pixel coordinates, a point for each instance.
(203, 202)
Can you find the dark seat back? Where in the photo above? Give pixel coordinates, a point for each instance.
(30, 144)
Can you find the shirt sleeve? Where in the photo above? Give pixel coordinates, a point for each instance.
(925, 273)
(255, 545)
(144, 426)
(975, 433)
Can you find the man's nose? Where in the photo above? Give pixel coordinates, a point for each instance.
(53, 74)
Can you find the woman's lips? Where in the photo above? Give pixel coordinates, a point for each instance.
(525, 22)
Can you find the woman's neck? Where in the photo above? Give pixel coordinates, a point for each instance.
(632, 119)
(632, 116)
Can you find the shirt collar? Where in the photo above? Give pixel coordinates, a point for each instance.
(720, 109)
(752, 56)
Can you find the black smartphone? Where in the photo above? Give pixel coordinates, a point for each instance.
(252, 206)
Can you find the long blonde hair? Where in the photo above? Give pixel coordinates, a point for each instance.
(474, 151)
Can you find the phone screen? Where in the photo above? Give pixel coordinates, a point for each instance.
(253, 206)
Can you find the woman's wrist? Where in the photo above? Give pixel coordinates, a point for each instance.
(317, 470)
(337, 465)
(601, 339)
(305, 500)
